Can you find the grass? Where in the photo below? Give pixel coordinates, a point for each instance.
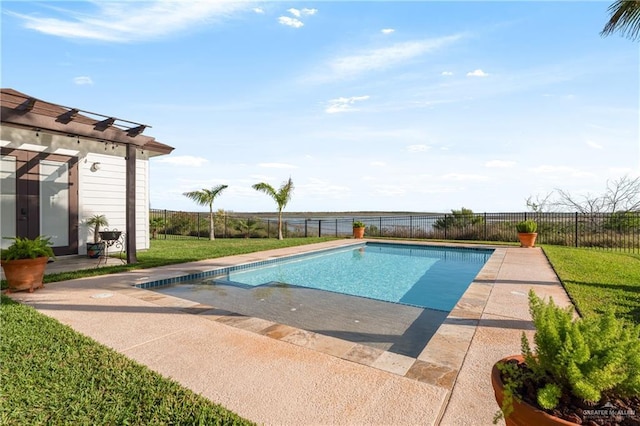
(54, 375)
(598, 280)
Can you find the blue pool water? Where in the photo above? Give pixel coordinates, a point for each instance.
(423, 276)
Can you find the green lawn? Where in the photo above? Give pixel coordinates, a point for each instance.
(598, 280)
(53, 375)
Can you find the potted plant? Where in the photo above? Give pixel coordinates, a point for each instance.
(527, 232)
(584, 370)
(25, 261)
(358, 229)
(96, 248)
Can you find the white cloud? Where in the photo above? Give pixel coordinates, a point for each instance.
(82, 80)
(277, 166)
(132, 21)
(309, 12)
(389, 190)
(477, 73)
(290, 22)
(387, 31)
(183, 160)
(344, 104)
(594, 145)
(464, 177)
(378, 164)
(446, 73)
(258, 10)
(417, 148)
(500, 164)
(549, 170)
(295, 12)
(382, 58)
(317, 187)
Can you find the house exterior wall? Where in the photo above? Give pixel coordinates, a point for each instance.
(101, 191)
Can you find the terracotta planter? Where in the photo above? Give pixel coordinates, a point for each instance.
(25, 274)
(358, 232)
(523, 414)
(527, 239)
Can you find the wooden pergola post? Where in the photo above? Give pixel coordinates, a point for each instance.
(131, 204)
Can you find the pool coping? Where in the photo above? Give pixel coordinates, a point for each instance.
(439, 362)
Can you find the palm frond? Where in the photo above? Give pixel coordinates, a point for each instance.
(625, 17)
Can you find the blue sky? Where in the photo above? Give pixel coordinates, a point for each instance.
(387, 106)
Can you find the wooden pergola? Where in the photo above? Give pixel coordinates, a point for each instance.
(24, 111)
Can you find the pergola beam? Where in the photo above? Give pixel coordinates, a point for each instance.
(68, 116)
(27, 105)
(135, 131)
(104, 124)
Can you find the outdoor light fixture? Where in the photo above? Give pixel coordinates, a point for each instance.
(95, 167)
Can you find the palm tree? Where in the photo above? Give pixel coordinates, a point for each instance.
(625, 17)
(205, 197)
(281, 197)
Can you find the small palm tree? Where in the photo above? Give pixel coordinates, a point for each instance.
(625, 17)
(281, 197)
(205, 197)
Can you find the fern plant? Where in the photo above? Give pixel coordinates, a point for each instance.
(359, 224)
(584, 357)
(26, 248)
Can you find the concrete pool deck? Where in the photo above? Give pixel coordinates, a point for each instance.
(274, 374)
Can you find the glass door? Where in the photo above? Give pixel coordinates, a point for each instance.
(8, 202)
(39, 196)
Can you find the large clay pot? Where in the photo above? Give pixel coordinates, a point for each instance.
(25, 274)
(523, 414)
(358, 232)
(527, 239)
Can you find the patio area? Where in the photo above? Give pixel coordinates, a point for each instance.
(276, 374)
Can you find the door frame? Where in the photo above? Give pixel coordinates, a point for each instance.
(28, 195)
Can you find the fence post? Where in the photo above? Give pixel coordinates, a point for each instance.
(485, 227)
(446, 225)
(336, 228)
(380, 228)
(165, 224)
(319, 228)
(410, 226)
(305, 228)
(198, 222)
(576, 230)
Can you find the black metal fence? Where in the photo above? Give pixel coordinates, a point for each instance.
(619, 231)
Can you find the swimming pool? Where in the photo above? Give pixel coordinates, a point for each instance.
(404, 325)
(423, 276)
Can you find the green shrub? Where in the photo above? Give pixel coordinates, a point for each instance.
(458, 219)
(359, 224)
(528, 226)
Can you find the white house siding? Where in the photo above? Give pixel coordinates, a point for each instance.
(104, 192)
(142, 204)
